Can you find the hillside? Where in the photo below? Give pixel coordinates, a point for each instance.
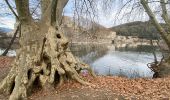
(138, 28)
(93, 33)
(74, 33)
(3, 31)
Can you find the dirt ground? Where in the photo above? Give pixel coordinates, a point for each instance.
(102, 88)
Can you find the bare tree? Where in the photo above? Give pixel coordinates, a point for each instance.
(155, 9)
(162, 69)
(158, 13)
(44, 55)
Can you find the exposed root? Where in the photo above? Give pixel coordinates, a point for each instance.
(160, 69)
(8, 83)
(47, 62)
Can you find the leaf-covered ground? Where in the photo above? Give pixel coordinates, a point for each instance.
(102, 88)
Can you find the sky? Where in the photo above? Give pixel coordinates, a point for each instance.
(110, 16)
(106, 17)
(7, 20)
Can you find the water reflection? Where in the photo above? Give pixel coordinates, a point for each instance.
(89, 53)
(10, 53)
(140, 48)
(108, 60)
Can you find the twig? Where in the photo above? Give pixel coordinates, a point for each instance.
(12, 40)
(10, 7)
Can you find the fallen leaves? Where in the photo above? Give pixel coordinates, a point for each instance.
(5, 61)
(140, 88)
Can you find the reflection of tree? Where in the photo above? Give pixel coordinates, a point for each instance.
(139, 48)
(89, 52)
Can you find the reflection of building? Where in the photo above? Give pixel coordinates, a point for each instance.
(92, 51)
(131, 41)
(111, 35)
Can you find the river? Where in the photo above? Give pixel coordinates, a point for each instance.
(108, 60)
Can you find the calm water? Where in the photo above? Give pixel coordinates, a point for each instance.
(107, 60)
(10, 52)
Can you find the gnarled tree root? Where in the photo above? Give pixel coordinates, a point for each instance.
(161, 69)
(44, 62)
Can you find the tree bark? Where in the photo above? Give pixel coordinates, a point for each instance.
(43, 57)
(44, 5)
(23, 10)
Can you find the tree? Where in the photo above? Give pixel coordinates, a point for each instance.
(153, 9)
(43, 56)
(162, 69)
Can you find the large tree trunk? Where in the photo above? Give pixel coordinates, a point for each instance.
(43, 58)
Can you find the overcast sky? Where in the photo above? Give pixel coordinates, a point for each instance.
(106, 18)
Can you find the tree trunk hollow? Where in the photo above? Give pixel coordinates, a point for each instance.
(44, 59)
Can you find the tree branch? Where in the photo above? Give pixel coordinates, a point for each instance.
(23, 10)
(60, 6)
(165, 13)
(57, 7)
(53, 11)
(155, 22)
(12, 40)
(10, 7)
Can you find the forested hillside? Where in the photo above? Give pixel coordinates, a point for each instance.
(138, 28)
